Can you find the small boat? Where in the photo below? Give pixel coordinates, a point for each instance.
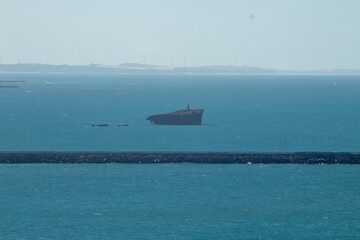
(181, 117)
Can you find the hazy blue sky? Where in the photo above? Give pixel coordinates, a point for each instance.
(285, 34)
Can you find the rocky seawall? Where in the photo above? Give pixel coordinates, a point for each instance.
(7, 157)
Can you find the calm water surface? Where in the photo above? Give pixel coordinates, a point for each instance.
(179, 201)
(242, 113)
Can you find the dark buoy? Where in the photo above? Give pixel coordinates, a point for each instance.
(100, 125)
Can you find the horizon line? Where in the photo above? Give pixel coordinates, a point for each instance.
(181, 67)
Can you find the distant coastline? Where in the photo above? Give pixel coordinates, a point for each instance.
(136, 68)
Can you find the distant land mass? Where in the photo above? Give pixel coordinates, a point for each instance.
(137, 68)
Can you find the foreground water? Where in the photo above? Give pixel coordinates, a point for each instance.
(242, 113)
(179, 201)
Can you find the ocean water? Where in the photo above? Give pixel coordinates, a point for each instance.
(180, 201)
(242, 113)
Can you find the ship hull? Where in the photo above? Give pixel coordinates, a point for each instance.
(192, 117)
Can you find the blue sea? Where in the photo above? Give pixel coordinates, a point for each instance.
(54, 112)
(242, 113)
(179, 201)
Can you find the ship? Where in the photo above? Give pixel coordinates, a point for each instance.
(181, 117)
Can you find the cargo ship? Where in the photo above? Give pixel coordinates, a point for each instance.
(181, 117)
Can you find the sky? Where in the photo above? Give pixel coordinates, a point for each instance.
(282, 34)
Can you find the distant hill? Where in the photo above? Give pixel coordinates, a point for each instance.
(137, 68)
(228, 69)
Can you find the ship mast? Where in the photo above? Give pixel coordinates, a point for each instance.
(188, 107)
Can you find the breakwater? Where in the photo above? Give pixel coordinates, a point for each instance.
(181, 157)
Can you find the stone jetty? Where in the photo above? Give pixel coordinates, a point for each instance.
(14, 157)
